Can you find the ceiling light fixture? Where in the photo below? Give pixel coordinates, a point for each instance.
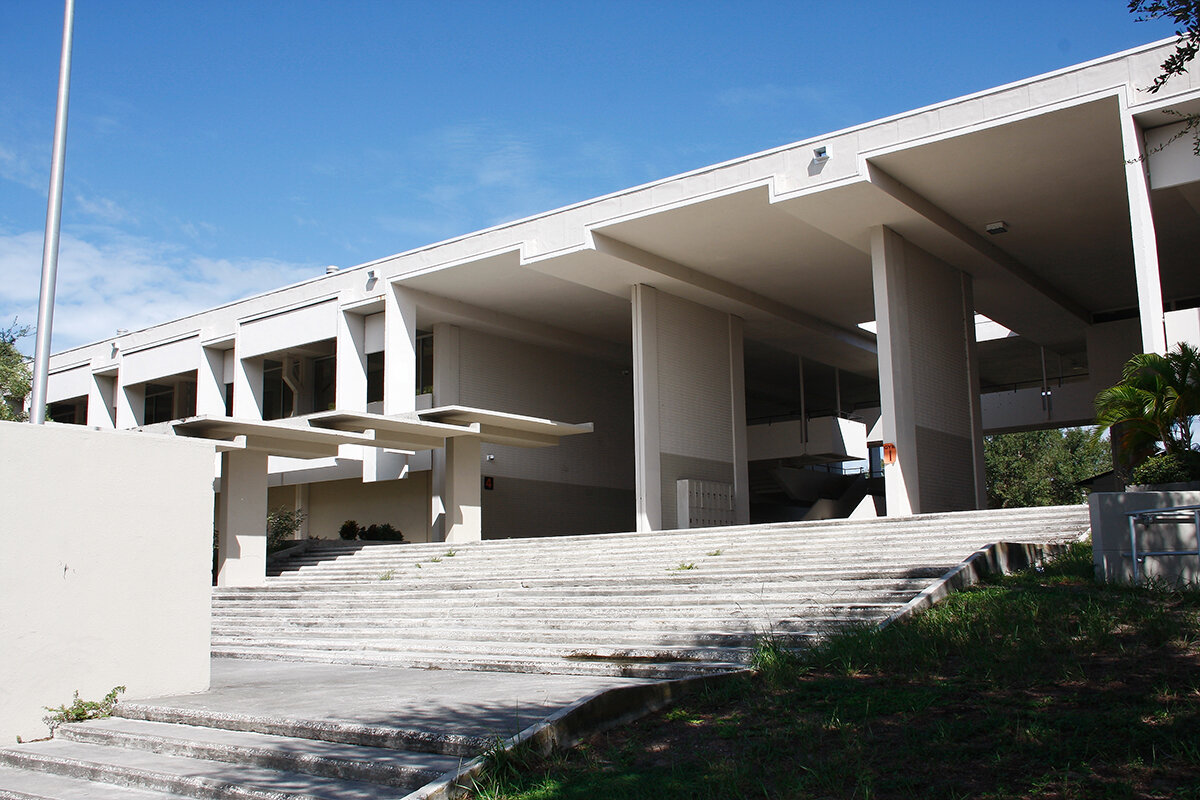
(999, 226)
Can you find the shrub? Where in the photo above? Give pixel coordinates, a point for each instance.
(385, 532)
(81, 710)
(1168, 468)
(282, 525)
(349, 530)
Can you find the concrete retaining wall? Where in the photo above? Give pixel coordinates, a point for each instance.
(105, 578)
(1110, 537)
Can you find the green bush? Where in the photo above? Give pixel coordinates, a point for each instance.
(81, 710)
(282, 525)
(349, 530)
(385, 532)
(1168, 468)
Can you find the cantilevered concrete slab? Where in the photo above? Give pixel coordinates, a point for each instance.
(499, 427)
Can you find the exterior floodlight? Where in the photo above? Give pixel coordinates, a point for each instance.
(999, 226)
(820, 154)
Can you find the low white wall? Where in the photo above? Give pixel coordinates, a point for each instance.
(105, 578)
(1110, 537)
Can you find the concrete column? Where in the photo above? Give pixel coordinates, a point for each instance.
(242, 519)
(737, 396)
(928, 379)
(445, 393)
(131, 404)
(464, 519)
(210, 382)
(351, 390)
(399, 351)
(689, 404)
(647, 452)
(247, 387)
(101, 399)
(1145, 242)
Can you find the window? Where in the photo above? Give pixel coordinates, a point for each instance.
(160, 404)
(324, 383)
(277, 395)
(375, 377)
(424, 363)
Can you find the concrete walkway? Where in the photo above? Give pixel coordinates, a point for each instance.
(452, 702)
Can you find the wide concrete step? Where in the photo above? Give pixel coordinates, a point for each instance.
(397, 768)
(181, 775)
(610, 667)
(351, 733)
(562, 600)
(23, 784)
(985, 526)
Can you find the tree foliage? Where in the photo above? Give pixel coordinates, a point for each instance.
(1042, 468)
(1155, 402)
(1186, 16)
(16, 379)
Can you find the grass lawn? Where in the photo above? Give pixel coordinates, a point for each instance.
(1036, 685)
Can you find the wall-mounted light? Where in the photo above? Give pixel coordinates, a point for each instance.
(371, 278)
(820, 153)
(999, 226)
(489, 457)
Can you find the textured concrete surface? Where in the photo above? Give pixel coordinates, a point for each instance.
(442, 701)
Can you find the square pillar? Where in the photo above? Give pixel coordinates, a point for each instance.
(1145, 241)
(399, 351)
(445, 393)
(131, 404)
(247, 387)
(689, 404)
(102, 397)
(928, 379)
(351, 382)
(461, 494)
(210, 382)
(242, 519)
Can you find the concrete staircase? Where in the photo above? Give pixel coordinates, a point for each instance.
(152, 752)
(657, 605)
(635, 605)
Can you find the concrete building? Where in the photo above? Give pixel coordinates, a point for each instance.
(823, 329)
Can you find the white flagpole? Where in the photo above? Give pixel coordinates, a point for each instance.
(45, 323)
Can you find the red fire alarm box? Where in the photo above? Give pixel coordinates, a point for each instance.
(889, 453)
(489, 483)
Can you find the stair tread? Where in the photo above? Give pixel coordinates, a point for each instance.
(23, 784)
(119, 765)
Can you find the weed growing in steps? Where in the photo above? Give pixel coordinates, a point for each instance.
(1041, 684)
(391, 573)
(685, 565)
(715, 553)
(81, 710)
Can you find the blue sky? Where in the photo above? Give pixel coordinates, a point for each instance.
(218, 149)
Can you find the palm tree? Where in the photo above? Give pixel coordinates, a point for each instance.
(1156, 401)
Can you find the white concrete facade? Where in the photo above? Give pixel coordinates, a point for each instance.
(834, 279)
(105, 579)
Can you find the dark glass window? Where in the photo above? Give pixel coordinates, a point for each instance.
(160, 403)
(424, 363)
(277, 395)
(375, 377)
(324, 383)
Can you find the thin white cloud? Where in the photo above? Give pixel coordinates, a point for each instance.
(104, 209)
(128, 282)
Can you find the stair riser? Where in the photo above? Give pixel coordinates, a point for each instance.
(362, 735)
(386, 775)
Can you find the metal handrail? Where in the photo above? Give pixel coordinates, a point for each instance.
(1149, 515)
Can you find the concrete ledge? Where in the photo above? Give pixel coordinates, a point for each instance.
(600, 711)
(998, 558)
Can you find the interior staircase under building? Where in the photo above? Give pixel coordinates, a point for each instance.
(642, 606)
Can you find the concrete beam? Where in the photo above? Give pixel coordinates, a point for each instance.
(729, 291)
(944, 220)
